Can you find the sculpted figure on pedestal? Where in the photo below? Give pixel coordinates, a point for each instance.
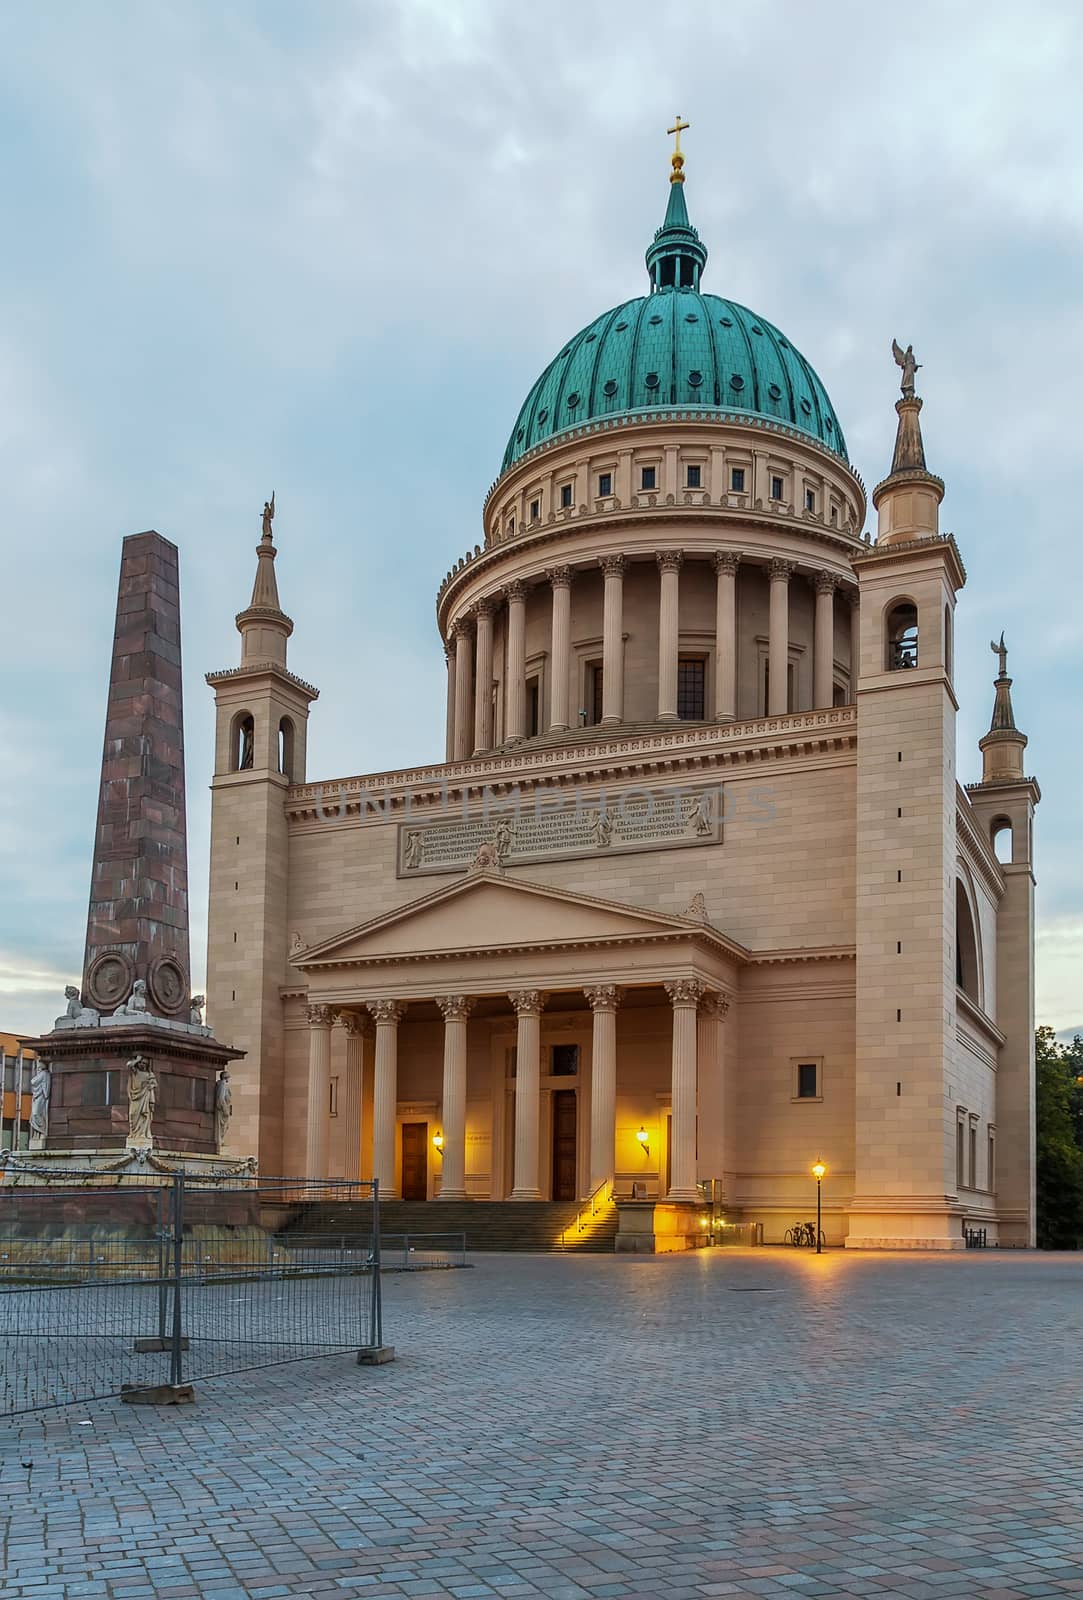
(905, 360)
(223, 1109)
(77, 1015)
(41, 1087)
(142, 1097)
(136, 1003)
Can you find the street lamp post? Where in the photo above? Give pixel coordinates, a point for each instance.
(818, 1171)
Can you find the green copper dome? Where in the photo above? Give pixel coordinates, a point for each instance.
(676, 347)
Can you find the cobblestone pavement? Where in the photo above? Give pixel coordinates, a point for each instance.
(740, 1424)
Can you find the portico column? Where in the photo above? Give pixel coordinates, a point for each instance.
(613, 640)
(854, 598)
(385, 1095)
(603, 1000)
(516, 713)
(449, 741)
(319, 1090)
(684, 996)
(528, 1005)
(483, 678)
(559, 646)
(711, 1097)
(455, 1009)
(778, 644)
(725, 638)
(463, 675)
(823, 661)
(669, 566)
(355, 1027)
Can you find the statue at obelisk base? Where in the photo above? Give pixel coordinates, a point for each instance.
(130, 1071)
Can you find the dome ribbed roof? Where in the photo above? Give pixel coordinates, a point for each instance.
(676, 347)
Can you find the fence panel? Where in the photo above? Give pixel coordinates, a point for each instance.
(106, 1288)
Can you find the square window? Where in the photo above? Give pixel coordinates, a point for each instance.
(332, 1098)
(605, 484)
(777, 487)
(694, 476)
(737, 480)
(533, 707)
(595, 687)
(808, 1080)
(565, 496)
(535, 510)
(648, 478)
(810, 500)
(564, 1060)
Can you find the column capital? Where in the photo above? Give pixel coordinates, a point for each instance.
(780, 571)
(684, 991)
(854, 597)
(318, 1016)
(354, 1022)
(560, 577)
(455, 1007)
(515, 590)
(449, 649)
(669, 560)
(727, 561)
(461, 628)
(603, 997)
(527, 1002)
(386, 1010)
(825, 582)
(612, 566)
(715, 1005)
(484, 607)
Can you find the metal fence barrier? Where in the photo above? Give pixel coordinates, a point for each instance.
(139, 1288)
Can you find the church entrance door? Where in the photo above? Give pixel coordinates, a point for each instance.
(564, 1145)
(415, 1161)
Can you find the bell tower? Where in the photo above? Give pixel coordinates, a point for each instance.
(261, 726)
(904, 1186)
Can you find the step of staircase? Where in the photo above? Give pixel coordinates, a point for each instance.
(529, 1225)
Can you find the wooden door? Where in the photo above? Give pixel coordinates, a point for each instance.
(564, 1151)
(415, 1161)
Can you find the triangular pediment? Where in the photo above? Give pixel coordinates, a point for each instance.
(488, 912)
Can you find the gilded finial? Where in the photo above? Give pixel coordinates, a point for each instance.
(676, 160)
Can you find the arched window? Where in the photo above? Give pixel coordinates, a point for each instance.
(242, 742)
(1000, 830)
(285, 747)
(948, 649)
(966, 947)
(901, 636)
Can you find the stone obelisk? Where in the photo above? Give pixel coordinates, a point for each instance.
(130, 1067)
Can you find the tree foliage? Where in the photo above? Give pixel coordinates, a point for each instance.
(1059, 1138)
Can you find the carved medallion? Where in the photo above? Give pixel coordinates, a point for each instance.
(109, 980)
(168, 986)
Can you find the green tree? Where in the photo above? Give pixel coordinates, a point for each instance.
(1059, 1114)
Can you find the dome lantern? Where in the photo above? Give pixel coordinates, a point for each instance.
(677, 256)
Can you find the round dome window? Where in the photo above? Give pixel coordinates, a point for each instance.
(620, 326)
(726, 322)
(519, 436)
(651, 380)
(610, 387)
(543, 414)
(691, 317)
(774, 391)
(756, 329)
(590, 338)
(573, 399)
(806, 408)
(737, 382)
(695, 378)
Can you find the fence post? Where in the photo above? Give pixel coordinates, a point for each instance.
(376, 1353)
(176, 1391)
(176, 1361)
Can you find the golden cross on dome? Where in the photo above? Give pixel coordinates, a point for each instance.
(677, 129)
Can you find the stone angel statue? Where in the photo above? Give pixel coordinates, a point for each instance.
(268, 515)
(905, 360)
(1001, 652)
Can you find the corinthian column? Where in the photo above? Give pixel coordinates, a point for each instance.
(684, 997)
(613, 640)
(669, 566)
(712, 1099)
(387, 1015)
(483, 678)
(319, 1090)
(854, 598)
(356, 1027)
(455, 1009)
(725, 638)
(823, 657)
(449, 741)
(528, 1005)
(603, 1000)
(463, 652)
(778, 644)
(559, 646)
(516, 691)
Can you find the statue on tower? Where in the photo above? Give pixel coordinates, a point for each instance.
(1001, 652)
(268, 515)
(905, 360)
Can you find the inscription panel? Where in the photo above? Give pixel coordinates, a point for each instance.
(581, 825)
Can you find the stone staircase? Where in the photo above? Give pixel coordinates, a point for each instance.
(538, 1225)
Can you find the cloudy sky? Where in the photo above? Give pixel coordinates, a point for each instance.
(326, 248)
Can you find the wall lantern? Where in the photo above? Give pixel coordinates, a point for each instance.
(643, 1139)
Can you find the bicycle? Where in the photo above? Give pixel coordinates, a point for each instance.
(803, 1234)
